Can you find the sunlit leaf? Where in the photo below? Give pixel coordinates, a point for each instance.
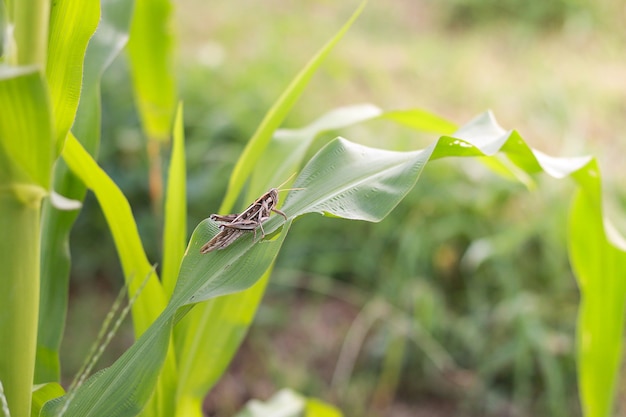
(600, 267)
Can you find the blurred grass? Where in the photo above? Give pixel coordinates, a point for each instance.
(499, 301)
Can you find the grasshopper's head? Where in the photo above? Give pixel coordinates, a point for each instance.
(272, 197)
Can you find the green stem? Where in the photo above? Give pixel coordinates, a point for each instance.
(31, 18)
(19, 298)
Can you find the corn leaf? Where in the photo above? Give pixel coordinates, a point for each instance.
(72, 23)
(150, 52)
(174, 237)
(107, 42)
(42, 394)
(125, 387)
(26, 115)
(234, 313)
(124, 230)
(71, 26)
(598, 257)
(343, 179)
(175, 232)
(288, 147)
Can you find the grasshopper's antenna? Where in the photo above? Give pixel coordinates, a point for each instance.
(285, 182)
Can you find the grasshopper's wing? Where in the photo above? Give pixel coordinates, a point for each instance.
(221, 240)
(226, 218)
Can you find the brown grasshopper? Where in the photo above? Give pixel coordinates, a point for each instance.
(234, 225)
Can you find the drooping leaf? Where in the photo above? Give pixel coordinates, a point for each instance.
(124, 230)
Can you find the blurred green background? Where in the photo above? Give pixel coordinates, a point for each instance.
(462, 301)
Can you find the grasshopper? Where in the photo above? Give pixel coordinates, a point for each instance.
(234, 225)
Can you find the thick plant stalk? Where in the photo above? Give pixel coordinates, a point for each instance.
(19, 297)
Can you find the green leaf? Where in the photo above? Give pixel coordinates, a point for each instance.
(26, 145)
(108, 40)
(72, 23)
(125, 387)
(288, 147)
(599, 263)
(44, 393)
(422, 120)
(150, 51)
(174, 238)
(286, 151)
(227, 318)
(212, 330)
(343, 179)
(105, 45)
(175, 232)
(124, 230)
(317, 408)
(275, 116)
(354, 181)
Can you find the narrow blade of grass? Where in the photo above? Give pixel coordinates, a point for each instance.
(175, 233)
(275, 116)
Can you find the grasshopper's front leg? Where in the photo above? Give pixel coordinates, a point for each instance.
(275, 210)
